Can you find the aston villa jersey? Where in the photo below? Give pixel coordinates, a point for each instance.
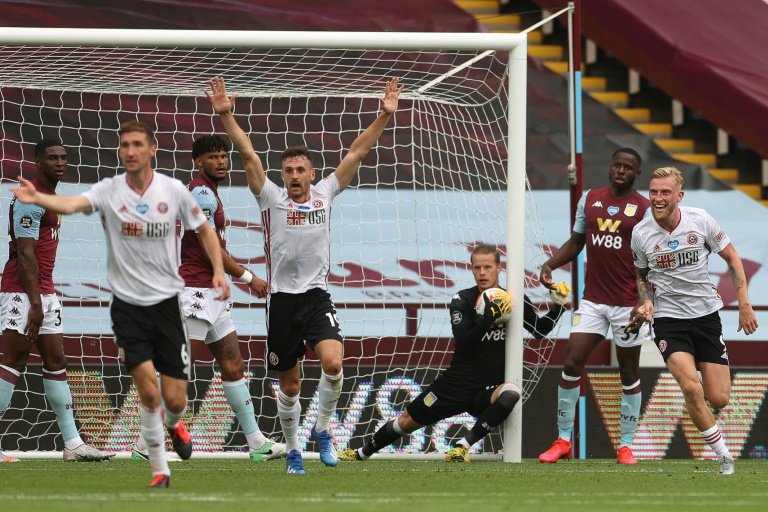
(196, 269)
(677, 263)
(142, 252)
(607, 222)
(297, 237)
(32, 221)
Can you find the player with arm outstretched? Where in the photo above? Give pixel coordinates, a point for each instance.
(31, 311)
(209, 321)
(296, 222)
(671, 251)
(604, 221)
(139, 209)
(474, 382)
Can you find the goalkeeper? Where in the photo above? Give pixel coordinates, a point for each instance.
(474, 382)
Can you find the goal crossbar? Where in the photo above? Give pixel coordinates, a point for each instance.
(259, 39)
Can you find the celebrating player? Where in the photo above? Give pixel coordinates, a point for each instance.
(604, 221)
(297, 220)
(30, 309)
(474, 382)
(671, 251)
(209, 320)
(138, 210)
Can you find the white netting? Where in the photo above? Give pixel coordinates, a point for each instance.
(432, 188)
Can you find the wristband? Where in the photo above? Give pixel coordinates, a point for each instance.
(247, 277)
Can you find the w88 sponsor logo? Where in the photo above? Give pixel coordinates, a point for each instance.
(496, 335)
(607, 241)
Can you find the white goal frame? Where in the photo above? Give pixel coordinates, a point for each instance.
(515, 44)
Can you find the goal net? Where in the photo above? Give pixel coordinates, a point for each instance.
(434, 186)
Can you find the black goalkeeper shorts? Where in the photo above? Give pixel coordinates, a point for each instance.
(444, 399)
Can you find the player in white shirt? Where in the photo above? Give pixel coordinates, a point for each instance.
(671, 251)
(296, 223)
(138, 210)
(209, 320)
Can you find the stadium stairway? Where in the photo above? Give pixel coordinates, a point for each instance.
(605, 90)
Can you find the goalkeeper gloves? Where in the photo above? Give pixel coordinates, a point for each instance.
(559, 294)
(497, 308)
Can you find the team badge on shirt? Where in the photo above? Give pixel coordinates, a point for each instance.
(692, 239)
(630, 209)
(162, 207)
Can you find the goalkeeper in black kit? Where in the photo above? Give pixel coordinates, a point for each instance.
(474, 382)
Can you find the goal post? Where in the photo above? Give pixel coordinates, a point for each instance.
(448, 173)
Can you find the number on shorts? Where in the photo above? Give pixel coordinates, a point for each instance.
(333, 319)
(58, 318)
(185, 358)
(626, 334)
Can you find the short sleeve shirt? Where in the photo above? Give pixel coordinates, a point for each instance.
(142, 251)
(297, 237)
(677, 263)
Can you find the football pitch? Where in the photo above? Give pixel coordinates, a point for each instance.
(232, 485)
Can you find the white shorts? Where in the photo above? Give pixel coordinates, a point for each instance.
(597, 318)
(207, 318)
(14, 307)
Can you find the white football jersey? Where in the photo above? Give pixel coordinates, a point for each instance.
(297, 237)
(677, 262)
(142, 249)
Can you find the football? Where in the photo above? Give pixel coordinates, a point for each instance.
(497, 296)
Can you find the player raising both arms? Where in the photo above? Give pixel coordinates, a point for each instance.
(208, 319)
(297, 222)
(671, 251)
(139, 209)
(30, 309)
(474, 382)
(604, 221)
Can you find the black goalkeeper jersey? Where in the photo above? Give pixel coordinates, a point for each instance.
(478, 358)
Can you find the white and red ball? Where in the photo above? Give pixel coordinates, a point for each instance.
(497, 296)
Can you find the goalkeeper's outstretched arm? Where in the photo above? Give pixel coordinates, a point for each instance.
(540, 326)
(224, 105)
(365, 141)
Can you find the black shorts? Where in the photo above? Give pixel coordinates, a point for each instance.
(151, 333)
(296, 319)
(445, 399)
(702, 337)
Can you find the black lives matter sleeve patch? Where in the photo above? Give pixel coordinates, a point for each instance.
(25, 222)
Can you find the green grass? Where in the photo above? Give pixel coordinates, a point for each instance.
(239, 485)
